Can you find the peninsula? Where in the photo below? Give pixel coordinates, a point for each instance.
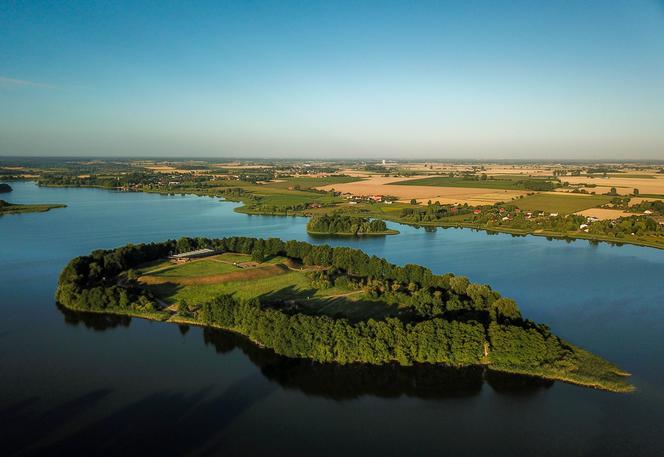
(329, 305)
(15, 208)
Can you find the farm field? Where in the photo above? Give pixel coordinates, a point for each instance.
(378, 185)
(560, 203)
(654, 184)
(502, 183)
(312, 182)
(603, 213)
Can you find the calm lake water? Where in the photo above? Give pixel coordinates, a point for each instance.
(74, 384)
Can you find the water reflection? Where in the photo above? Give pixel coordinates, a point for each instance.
(347, 382)
(93, 321)
(344, 382)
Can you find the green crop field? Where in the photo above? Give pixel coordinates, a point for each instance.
(560, 203)
(308, 183)
(443, 181)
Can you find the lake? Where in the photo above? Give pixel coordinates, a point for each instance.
(78, 384)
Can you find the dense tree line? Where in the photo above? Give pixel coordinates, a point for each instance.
(342, 224)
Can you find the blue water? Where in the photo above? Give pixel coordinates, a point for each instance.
(78, 385)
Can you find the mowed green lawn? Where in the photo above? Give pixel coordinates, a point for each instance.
(203, 267)
(560, 203)
(277, 287)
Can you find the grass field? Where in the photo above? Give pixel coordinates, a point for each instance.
(442, 181)
(560, 203)
(272, 282)
(311, 182)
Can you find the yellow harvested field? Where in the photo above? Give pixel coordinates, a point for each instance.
(377, 185)
(603, 213)
(624, 186)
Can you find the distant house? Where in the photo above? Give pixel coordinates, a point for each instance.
(647, 212)
(506, 218)
(583, 226)
(553, 215)
(376, 198)
(477, 211)
(388, 202)
(501, 210)
(352, 203)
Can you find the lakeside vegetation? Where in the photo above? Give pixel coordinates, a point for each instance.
(332, 305)
(15, 208)
(344, 225)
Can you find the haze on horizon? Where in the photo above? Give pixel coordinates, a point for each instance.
(464, 79)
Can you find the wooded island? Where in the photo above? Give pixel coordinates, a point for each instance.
(344, 225)
(330, 305)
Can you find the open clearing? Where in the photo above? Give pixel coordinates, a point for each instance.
(560, 203)
(273, 282)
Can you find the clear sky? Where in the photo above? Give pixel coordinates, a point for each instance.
(330, 79)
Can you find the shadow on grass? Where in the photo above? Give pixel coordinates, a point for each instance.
(292, 300)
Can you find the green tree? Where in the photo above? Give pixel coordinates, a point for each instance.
(183, 308)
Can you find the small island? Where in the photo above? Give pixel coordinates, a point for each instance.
(343, 225)
(328, 305)
(5, 188)
(15, 208)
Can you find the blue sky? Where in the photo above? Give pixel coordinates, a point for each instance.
(410, 79)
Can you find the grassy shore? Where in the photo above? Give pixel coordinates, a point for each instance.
(15, 208)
